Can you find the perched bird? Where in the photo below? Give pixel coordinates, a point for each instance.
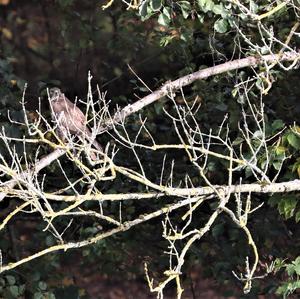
(70, 119)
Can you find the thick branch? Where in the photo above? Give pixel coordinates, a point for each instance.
(44, 162)
(202, 74)
(163, 91)
(277, 187)
(186, 192)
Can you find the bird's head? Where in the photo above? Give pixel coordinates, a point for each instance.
(54, 93)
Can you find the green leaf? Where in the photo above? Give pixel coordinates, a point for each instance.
(201, 2)
(277, 124)
(279, 264)
(42, 286)
(156, 4)
(164, 41)
(238, 141)
(287, 288)
(293, 140)
(219, 9)
(287, 206)
(38, 295)
(52, 296)
(143, 8)
(290, 269)
(277, 164)
(205, 5)
(21, 289)
(297, 265)
(280, 150)
(200, 18)
(253, 7)
(185, 7)
(167, 12)
(186, 36)
(163, 20)
(14, 290)
(221, 25)
(297, 217)
(10, 279)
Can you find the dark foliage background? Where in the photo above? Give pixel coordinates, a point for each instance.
(55, 43)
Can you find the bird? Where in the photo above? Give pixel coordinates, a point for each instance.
(70, 119)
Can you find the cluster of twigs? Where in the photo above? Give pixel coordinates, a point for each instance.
(30, 188)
